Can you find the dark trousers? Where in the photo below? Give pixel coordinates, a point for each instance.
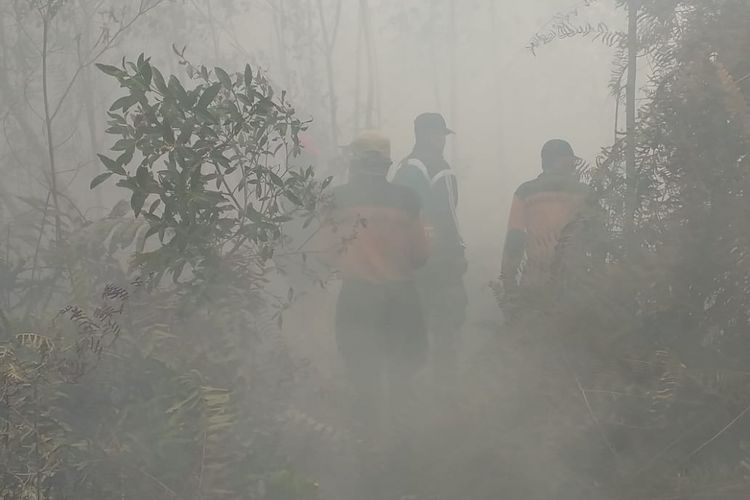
(445, 305)
(382, 337)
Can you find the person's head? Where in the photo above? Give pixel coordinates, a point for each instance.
(430, 131)
(558, 156)
(370, 153)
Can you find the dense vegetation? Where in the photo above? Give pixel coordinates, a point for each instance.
(651, 314)
(144, 392)
(139, 347)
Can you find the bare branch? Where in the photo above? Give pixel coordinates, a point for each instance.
(107, 45)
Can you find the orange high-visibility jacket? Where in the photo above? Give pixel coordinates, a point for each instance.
(540, 211)
(374, 231)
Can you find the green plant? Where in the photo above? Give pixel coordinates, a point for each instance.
(165, 411)
(653, 320)
(212, 176)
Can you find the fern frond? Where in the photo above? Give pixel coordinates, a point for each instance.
(11, 374)
(40, 343)
(296, 417)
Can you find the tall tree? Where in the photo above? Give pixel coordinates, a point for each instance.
(630, 104)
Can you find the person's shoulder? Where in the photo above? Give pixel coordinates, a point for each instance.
(569, 184)
(411, 170)
(527, 188)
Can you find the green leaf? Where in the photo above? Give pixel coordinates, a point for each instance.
(147, 73)
(158, 78)
(152, 231)
(120, 209)
(140, 242)
(293, 198)
(178, 90)
(223, 77)
(154, 205)
(126, 156)
(276, 180)
(248, 76)
(168, 133)
(245, 100)
(112, 165)
(110, 70)
(186, 131)
(123, 145)
(177, 271)
(208, 96)
(254, 215)
(220, 159)
(99, 179)
(117, 130)
(124, 103)
(326, 182)
(117, 118)
(142, 176)
(137, 201)
(205, 117)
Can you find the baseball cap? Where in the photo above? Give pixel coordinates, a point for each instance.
(371, 141)
(556, 148)
(431, 122)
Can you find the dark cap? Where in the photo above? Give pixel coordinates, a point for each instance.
(431, 122)
(555, 149)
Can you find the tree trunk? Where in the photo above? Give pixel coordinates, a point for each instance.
(631, 195)
(358, 73)
(372, 103)
(453, 78)
(88, 96)
(433, 56)
(329, 42)
(280, 28)
(48, 127)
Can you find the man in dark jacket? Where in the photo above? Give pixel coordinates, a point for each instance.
(440, 282)
(377, 240)
(541, 210)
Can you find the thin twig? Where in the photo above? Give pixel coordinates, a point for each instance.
(718, 434)
(596, 420)
(48, 123)
(671, 445)
(91, 60)
(169, 491)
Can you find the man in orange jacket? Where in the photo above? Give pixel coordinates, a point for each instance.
(377, 241)
(541, 210)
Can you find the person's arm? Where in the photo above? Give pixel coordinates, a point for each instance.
(515, 244)
(421, 246)
(412, 177)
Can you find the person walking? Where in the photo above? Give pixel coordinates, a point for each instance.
(542, 208)
(376, 239)
(440, 281)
